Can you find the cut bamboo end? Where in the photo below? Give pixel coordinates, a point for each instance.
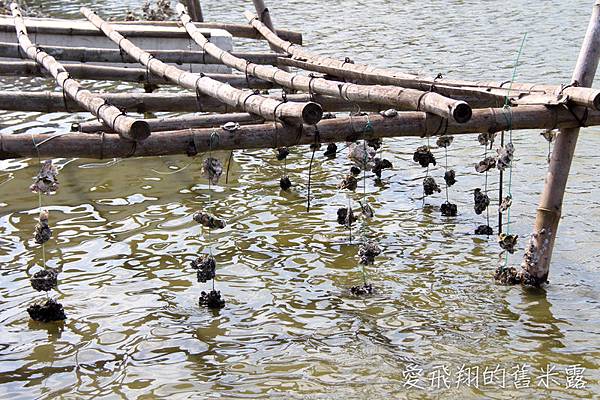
(140, 130)
(461, 112)
(312, 113)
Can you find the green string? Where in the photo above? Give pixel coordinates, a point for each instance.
(510, 131)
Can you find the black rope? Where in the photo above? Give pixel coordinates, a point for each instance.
(121, 52)
(581, 121)
(500, 189)
(246, 72)
(312, 158)
(311, 93)
(198, 93)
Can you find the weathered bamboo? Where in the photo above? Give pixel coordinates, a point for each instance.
(363, 73)
(195, 10)
(268, 108)
(123, 74)
(539, 253)
(49, 102)
(400, 98)
(192, 141)
(178, 123)
(168, 29)
(87, 54)
(128, 128)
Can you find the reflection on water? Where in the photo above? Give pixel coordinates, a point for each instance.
(124, 238)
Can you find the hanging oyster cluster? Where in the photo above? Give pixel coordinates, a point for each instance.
(46, 279)
(449, 209)
(205, 266)
(42, 232)
(450, 177)
(430, 186)
(345, 216)
(46, 181)
(367, 253)
(482, 201)
(424, 156)
(505, 156)
(379, 165)
(211, 300)
(508, 242)
(331, 150)
(212, 169)
(485, 165)
(208, 221)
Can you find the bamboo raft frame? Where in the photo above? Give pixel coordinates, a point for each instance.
(427, 106)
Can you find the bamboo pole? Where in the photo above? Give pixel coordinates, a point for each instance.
(162, 29)
(49, 102)
(404, 99)
(268, 108)
(128, 128)
(265, 17)
(304, 59)
(91, 54)
(123, 74)
(537, 258)
(195, 10)
(178, 123)
(192, 141)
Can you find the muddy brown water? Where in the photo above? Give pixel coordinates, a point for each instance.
(124, 239)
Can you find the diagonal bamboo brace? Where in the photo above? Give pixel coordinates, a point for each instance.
(128, 128)
(295, 113)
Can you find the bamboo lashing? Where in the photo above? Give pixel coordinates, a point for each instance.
(249, 101)
(400, 98)
(129, 128)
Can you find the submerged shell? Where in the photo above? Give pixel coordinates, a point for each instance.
(47, 310)
(282, 153)
(285, 183)
(484, 230)
(211, 299)
(212, 169)
(331, 151)
(379, 165)
(208, 221)
(46, 182)
(449, 209)
(424, 156)
(482, 201)
(367, 253)
(345, 216)
(362, 290)
(430, 186)
(349, 182)
(366, 209)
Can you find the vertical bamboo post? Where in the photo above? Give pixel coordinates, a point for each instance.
(536, 264)
(194, 10)
(264, 16)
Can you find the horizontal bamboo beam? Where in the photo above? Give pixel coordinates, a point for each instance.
(193, 141)
(123, 74)
(48, 102)
(162, 29)
(178, 123)
(248, 101)
(400, 98)
(305, 59)
(129, 128)
(101, 55)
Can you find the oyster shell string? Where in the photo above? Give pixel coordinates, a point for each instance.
(510, 137)
(213, 135)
